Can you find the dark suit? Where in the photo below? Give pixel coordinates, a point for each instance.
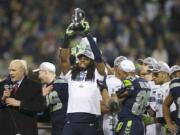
(30, 95)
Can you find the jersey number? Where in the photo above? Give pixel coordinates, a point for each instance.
(140, 104)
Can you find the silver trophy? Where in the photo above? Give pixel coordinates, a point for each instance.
(77, 18)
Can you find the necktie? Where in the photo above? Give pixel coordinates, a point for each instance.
(15, 88)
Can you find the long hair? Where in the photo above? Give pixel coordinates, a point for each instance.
(90, 71)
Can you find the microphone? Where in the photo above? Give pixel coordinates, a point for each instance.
(8, 85)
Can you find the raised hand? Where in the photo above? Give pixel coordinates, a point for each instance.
(69, 30)
(85, 26)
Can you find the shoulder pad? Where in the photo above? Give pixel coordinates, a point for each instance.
(175, 83)
(177, 80)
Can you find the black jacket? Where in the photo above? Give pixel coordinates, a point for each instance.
(22, 118)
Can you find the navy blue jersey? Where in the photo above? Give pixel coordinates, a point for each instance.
(58, 112)
(135, 103)
(175, 92)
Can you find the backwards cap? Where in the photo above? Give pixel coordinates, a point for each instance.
(46, 66)
(127, 66)
(118, 60)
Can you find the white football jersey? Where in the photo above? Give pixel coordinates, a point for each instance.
(161, 95)
(151, 129)
(84, 96)
(153, 95)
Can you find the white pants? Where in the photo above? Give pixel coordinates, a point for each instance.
(151, 129)
(156, 129)
(107, 124)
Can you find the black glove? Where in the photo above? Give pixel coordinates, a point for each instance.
(102, 84)
(85, 27)
(68, 34)
(113, 106)
(70, 31)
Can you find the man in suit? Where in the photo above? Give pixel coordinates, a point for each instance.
(22, 99)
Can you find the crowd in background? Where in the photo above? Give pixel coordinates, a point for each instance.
(34, 29)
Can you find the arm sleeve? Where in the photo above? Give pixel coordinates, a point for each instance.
(63, 92)
(95, 49)
(65, 44)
